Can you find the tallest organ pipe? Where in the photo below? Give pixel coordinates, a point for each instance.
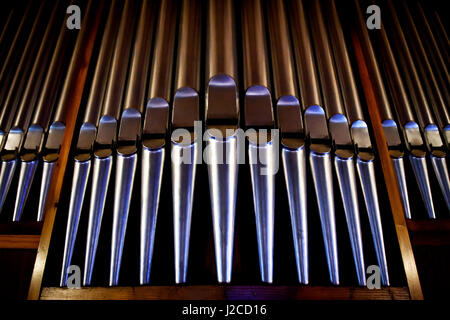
(222, 122)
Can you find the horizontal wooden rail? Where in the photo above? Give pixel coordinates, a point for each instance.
(19, 241)
(214, 292)
(437, 225)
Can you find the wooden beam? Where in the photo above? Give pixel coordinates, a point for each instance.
(19, 241)
(82, 61)
(393, 190)
(215, 292)
(21, 227)
(435, 225)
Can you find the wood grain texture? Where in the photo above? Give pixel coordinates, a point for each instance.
(393, 190)
(76, 92)
(19, 241)
(213, 292)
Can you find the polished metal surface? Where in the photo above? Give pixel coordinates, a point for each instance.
(151, 176)
(47, 172)
(316, 123)
(366, 173)
(345, 169)
(308, 77)
(100, 181)
(184, 150)
(262, 169)
(6, 175)
(27, 171)
(79, 182)
(419, 165)
(125, 171)
(222, 160)
(184, 163)
(441, 170)
(294, 166)
(401, 180)
(320, 162)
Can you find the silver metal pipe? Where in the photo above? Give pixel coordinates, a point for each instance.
(340, 135)
(110, 107)
(185, 112)
(320, 162)
(412, 123)
(366, 172)
(389, 125)
(155, 132)
(222, 120)
(125, 171)
(152, 170)
(18, 115)
(259, 119)
(223, 176)
(89, 129)
(57, 128)
(361, 141)
(80, 173)
(100, 178)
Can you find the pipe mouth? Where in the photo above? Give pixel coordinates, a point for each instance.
(221, 99)
(102, 153)
(153, 144)
(50, 157)
(7, 157)
(293, 144)
(316, 123)
(126, 150)
(258, 139)
(222, 133)
(320, 149)
(183, 143)
(360, 134)
(418, 153)
(366, 156)
(13, 140)
(344, 154)
(438, 153)
(82, 157)
(86, 136)
(29, 156)
(433, 136)
(390, 130)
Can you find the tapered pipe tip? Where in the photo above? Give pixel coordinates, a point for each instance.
(184, 160)
(347, 184)
(6, 175)
(262, 165)
(100, 181)
(401, 180)
(440, 169)
(125, 172)
(295, 176)
(222, 159)
(323, 184)
(26, 176)
(419, 165)
(151, 177)
(368, 183)
(79, 182)
(47, 172)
